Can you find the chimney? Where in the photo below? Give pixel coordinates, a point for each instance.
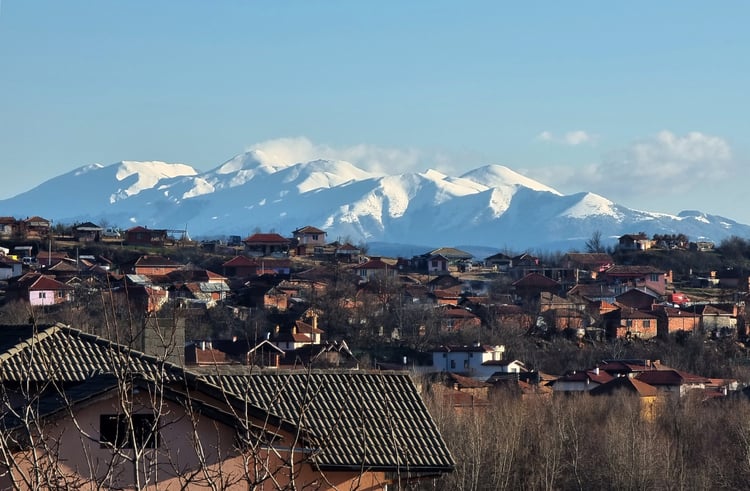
(315, 321)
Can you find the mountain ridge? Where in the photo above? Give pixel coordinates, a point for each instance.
(490, 206)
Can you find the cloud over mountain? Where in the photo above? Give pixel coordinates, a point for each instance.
(264, 188)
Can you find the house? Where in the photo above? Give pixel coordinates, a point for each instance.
(499, 262)
(9, 267)
(240, 267)
(375, 266)
(87, 232)
(145, 236)
(626, 323)
(36, 228)
(437, 264)
(300, 334)
(233, 351)
(155, 265)
(593, 292)
(673, 382)
(625, 277)
(270, 244)
(638, 299)
(307, 239)
(673, 320)
(9, 227)
(532, 285)
(647, 394)
(580, 381)
(474, 361)
(39, 290)
(634, 242)
(718, 320)
(347, 253)
(161, 426)
(453, 318)
(587, 266)
(458, 393)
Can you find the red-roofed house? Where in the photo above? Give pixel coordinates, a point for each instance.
(39, 289)
(145, 236)
(672, 320)
(674, 382)
(241, 267)
(533, 284)
(580, 381)
(270, 244)
(374, 267)
(626, 322)
(646, 393)
(152, 264)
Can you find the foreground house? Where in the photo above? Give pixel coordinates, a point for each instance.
(82, 411)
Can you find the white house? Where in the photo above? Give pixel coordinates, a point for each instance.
(476, 361)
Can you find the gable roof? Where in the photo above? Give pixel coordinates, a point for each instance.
(627, 384)
(153, 260)
(237, 261)
(362, 420)
(671, 377)
(266, 239)
(357, 420)
(61, 353)
(536, 280)
(450, 253)
(308, 230)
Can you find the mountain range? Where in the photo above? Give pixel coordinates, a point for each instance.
(491, 206)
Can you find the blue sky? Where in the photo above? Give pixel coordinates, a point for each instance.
(645, 103)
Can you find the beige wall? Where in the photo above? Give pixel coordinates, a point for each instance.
(80, 460)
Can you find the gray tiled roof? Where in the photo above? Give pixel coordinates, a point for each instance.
(64, 354)
(360, 419)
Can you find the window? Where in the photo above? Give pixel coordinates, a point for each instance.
(654, 277)
(629, 322)
(115, 430)
(646, 324)
(42, 294)
(466, 363)
(453, 363)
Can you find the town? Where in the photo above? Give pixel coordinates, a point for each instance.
(655, 324)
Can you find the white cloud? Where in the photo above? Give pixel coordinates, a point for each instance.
(577, 137)
(287, 151)
(664, 166)
(571, 138)
(545, 136)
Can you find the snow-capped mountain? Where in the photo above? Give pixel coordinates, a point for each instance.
(491, 206)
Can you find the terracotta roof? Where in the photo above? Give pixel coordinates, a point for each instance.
(374, 263)
(156, 261)
(671, 377)
(624, 383)
(536, 280)
(632, 270)
(308, 230)
(266, 239)
(241, 261)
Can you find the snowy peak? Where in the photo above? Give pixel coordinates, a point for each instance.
(141, 176)
(501, 176)
(590, 204)
(268, 190)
